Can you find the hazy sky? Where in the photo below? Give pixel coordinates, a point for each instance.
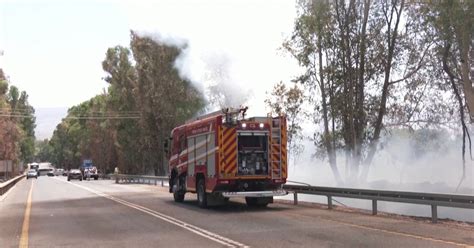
(54, 49)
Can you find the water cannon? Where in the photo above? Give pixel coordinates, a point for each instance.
(233, 115)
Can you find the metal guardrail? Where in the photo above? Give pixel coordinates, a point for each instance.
(4, 187)
(432, 199)
(122, 178)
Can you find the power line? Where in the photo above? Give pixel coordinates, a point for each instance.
(75, 117)
(101, 117)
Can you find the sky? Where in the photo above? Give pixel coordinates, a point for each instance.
(53, 49)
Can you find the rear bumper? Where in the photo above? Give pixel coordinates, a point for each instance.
(247, 185)
(269, 193)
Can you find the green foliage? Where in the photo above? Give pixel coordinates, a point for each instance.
(17, 123)
(125, 127)
(371, 66)
(288, 101)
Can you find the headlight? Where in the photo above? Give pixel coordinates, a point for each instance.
(244, 125)
(261, 125)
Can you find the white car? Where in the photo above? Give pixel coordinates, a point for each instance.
(32, 173)
(58, 172)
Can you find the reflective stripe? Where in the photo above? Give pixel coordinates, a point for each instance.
(199, 157)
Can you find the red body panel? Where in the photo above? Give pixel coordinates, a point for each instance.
(209, 148)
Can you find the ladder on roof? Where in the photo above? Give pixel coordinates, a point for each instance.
(275, 148)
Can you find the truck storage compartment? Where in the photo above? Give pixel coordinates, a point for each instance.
(252, 153)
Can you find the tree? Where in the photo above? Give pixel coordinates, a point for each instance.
(453, 21)
(359, 56)
(20, 106)
(121, 76)
(288, 101)
(127, 124)
(17, 123)
(164, 98)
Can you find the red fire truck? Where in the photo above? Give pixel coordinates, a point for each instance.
(224, 154)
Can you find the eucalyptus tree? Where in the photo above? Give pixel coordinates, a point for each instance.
(358, 57)
(453, 24)
(164, 98)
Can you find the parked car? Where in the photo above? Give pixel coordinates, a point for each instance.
(74, 174)
(50, 173)
(32, 173)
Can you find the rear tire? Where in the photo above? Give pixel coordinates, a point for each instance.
(80, 179)
(201, 194)
(96, 178)
(69, 179)
(177, 195)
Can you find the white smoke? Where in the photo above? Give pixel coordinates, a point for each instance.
(398, 166)
(232, 45)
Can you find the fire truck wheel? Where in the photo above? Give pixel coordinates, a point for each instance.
(201, 194)
(177, 195)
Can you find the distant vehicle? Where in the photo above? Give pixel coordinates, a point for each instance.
(65, 173)
(34, 166)
(50, 173)
(89, 170)
(74, 174)
(32, 173)
(59, 172)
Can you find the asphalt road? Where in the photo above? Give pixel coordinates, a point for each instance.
(58, 213)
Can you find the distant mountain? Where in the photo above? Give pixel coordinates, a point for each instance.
(47, 119)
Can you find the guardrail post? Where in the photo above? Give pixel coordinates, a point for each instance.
(434, 213)
(295, 198)
(374, 207)
(329, 202)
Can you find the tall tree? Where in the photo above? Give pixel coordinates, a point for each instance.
(453, 21)
(358, 56)
(164, 98)
(25, 119)
(288, 101)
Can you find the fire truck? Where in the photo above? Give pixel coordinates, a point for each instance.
(224, 154)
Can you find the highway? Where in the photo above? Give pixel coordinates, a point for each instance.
(51, 212)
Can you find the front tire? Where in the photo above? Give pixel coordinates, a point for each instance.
(201, 193)
(69, 179)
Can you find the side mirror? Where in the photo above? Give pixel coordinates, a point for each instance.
(166, 145)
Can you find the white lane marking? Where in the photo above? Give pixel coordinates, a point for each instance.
(197, 230)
